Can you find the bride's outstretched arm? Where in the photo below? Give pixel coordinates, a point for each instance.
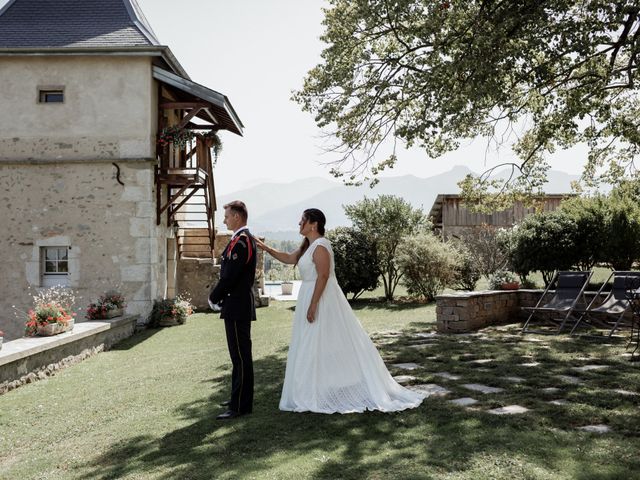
(322, 260)
(284, 257)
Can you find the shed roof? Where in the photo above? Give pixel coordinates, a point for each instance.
(74, 23)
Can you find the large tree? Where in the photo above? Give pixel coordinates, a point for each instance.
(432, 72)
(385, 220)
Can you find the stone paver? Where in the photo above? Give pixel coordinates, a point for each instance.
(530, 364)
(406, 366)
(482, 361)
(464, 401)
(515, 379)
(420, 346)
(426, 334)
(588, 368)
(404, 378)
(447, 375)
(559, 402)
(569, 379)
(430, 389)
(626, 392)
(509, 410)
(551, 390)
(595, 428)
(482, 388)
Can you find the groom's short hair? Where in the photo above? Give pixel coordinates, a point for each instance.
(238, 207)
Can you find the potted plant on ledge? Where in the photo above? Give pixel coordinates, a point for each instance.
(110, 305)
(170, 311)
(51, 313)
(503, 280)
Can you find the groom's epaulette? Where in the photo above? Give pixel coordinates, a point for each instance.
(246, 244)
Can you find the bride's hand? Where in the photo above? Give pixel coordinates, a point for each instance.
(311, 312)
(261, 245)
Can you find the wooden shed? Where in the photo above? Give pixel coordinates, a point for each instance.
(451, 218)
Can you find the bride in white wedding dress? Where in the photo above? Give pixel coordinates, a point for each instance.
(332, 366)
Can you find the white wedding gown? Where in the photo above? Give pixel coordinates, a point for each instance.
(332, 366)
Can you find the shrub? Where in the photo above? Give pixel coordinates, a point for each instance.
(468, 269)
(386, 220)
(485, 247)
(356, 260)
(542, 242)
(498, 278)
(427, 264)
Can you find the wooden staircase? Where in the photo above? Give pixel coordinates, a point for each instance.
(191, 200)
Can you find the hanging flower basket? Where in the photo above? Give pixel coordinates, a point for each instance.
(178, 137)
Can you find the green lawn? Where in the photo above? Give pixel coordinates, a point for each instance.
(146, 410)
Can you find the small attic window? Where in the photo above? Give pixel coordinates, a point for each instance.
(51, 95)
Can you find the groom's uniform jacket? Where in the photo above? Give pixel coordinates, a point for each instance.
(237, 276)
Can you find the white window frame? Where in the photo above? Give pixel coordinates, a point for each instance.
(54, 276)
(35, 267)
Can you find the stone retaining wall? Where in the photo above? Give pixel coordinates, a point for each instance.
(468, 311)
(29, 359)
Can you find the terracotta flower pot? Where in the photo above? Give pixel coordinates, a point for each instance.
(510, 286)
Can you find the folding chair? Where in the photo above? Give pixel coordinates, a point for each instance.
(569, 290)
(614, 307)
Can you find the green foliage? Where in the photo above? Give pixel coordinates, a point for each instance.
(468, 267)
(430, 73)
(275, 270)
(543, 242)
(428, 265)
(385, 220)
(500, 277)
(622, 231)
(590, 217)
(177, 309)
(356, 260)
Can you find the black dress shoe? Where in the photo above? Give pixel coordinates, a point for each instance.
(228, 415)
(225, 404)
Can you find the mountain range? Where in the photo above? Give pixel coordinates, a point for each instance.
(275, 208)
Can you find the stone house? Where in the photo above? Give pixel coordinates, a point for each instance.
(90, 197)
(451, 218)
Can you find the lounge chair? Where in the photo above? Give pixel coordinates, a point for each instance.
(610, 313)
(567, 292)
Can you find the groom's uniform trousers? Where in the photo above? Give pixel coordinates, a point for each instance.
(235, 293)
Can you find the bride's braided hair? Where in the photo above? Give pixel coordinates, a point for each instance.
(312, 215)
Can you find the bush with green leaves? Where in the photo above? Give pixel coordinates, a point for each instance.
(622, 231)
(543, 242)
(590, 216)
(468, 267)
(386, 220)
(427, 264)
(356, 260)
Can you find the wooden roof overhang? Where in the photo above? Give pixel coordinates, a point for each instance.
(204, 103)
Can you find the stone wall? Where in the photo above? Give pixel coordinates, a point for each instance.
(468, 311)
(109, 109)
(29, 359)
(196, 276)
(110, 230)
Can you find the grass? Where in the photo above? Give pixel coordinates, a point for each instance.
(146, 410)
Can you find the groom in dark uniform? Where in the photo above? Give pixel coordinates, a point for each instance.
(234, 292)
